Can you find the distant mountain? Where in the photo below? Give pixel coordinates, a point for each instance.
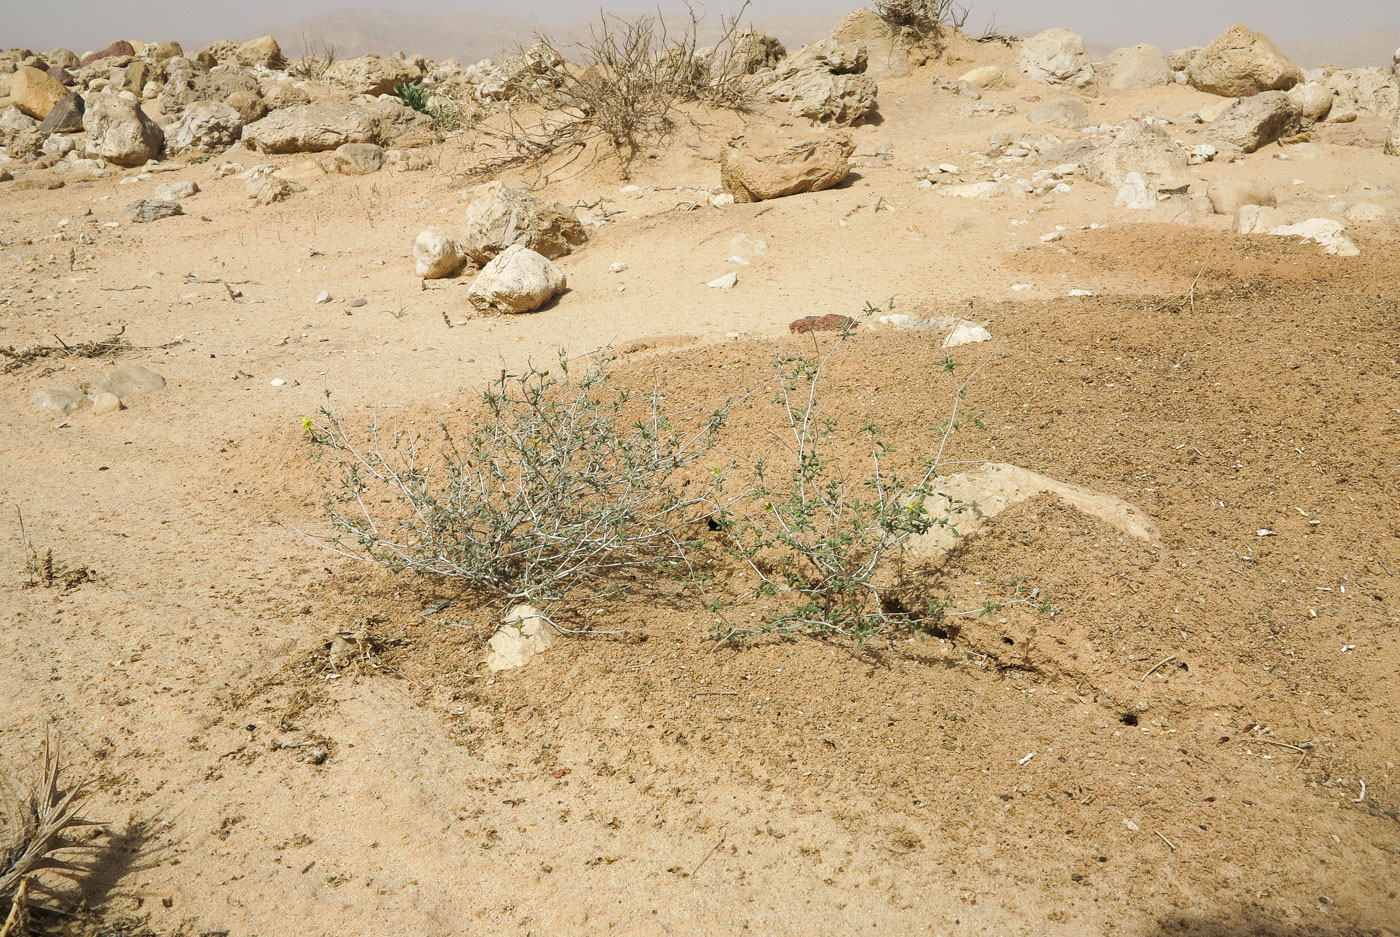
(472, 37)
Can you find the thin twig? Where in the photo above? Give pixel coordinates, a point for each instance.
(1161, 663)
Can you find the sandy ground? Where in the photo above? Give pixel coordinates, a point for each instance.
(651, 783)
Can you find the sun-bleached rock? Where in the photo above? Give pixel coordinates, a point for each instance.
(501, 216)
(1324, 231)
(517, 280)
(753, 173)
(524, 633)
(1146, 149)
(34, 92)
(120, 132)
(372, 75)
(1255, 121)
(325, 125)
(1057, 57)
(435, 255)
(1137, 68)
(1240, 61)
(1257, 219)
(205, 126)
(1227, 196)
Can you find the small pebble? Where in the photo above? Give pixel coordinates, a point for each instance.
(323, 297)
(277, 382)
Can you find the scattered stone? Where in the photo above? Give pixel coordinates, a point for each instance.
(1255, 121)
(34, 92)
(523, 634)
(266, 189)
(354, 159)
(285, 95)
(989, 76)
(65, 117)
(726, 282)
(1134, 194)
(175, 191)
(1257, 219)
(62, 400)
(119, 132)
(979, 190)
(145, 210)
(436, 255)
(966, 333)
(1137, 68)
(754, 173)
(407, 160)
(323, 297)
(105, 402)
(500, 216)
(115, 50)
(1364, 211)
(1239, 62)
(1228, 196)
(1057, 57)
(125, 380)
(517, 280)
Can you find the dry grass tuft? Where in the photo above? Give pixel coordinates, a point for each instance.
(36, 823)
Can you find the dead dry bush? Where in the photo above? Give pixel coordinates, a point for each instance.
(626, 88)
(922, 20)
(37, 821)
(316, 59)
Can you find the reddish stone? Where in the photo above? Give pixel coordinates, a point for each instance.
(60, 74)
(827, 323)
(120, 47)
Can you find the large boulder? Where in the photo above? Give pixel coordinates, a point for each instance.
(205, 126)
(887, 52)
(34, 92)
(1057, 57)
(66, 116)
(1136, 68)
(1255, 121)
(313, 128)
(120, 132)
(1240, 61)
(842, 99)
(1146, 149)
(500, 217)
(751, 175)
(262, 51)
(372, 75)
(517, 280)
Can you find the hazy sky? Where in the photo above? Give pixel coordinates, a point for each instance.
(82, 24)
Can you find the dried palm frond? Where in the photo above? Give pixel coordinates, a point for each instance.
(36, 823)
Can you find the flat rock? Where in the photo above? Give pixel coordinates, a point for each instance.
(753, 173)
(991, 489)
(145, 210)
(313, 128)
(831, 322)
(125, 380)
(62, 400)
